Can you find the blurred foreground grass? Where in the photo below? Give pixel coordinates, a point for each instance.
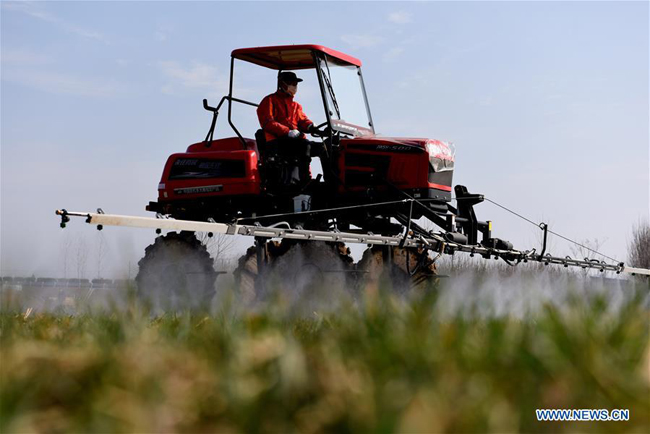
(380, 365)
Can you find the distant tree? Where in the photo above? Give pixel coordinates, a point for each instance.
(639, 246)
(586, 250)
(218, 246)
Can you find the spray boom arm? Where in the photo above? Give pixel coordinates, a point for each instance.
(436, 242)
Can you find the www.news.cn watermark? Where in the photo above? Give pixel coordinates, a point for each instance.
(583, 415)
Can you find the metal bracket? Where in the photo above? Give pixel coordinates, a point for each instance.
(544, 227)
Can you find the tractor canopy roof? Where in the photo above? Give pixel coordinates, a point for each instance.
(287, 57)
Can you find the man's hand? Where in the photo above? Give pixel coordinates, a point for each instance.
(294, 134)
(316, 132)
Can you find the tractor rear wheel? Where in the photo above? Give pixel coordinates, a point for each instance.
(404, 268)
(176, 273)
(296, 267)
(246, 273)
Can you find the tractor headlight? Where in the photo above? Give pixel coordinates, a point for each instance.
(441, 155)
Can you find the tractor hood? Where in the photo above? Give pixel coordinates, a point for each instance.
(441, 154)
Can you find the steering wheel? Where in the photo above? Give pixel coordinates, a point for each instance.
(318, 132)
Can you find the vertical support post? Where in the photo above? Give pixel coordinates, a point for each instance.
(232, 73)
(329, 169)
(319, 73)
(365, 99)
(544, 227)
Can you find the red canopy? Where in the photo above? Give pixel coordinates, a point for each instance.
(288, 57)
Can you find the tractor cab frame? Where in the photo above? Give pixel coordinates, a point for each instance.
(347, 114)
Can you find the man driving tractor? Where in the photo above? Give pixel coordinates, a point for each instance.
(285, 124)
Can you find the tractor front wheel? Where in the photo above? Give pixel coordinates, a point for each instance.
(296, 268)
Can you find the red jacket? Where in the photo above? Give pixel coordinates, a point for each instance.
(279, 113)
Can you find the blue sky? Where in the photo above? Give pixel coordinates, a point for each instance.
(546, 102)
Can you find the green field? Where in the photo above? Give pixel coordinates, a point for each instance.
(378, 363)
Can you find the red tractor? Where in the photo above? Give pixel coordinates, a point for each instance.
(368, 185)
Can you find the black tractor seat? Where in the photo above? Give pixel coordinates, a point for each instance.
(276, 168)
